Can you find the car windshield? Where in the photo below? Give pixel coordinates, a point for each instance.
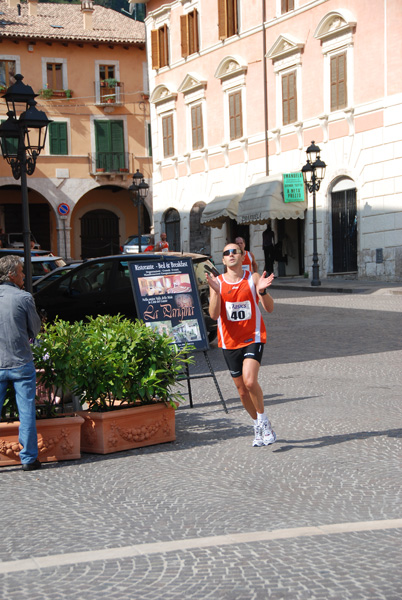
(133, 240)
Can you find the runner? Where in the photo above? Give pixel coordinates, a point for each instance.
(249, 263)
(234, 301)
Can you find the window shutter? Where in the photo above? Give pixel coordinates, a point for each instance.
(194, 31)
(222, 19)
(58, 138)
(155, 48)
(232, 25)
(11, 144)
(338, 82)
(289, 98)
(167, 132)
(163, 46)
(184, 35)
(196, 127)
(235, 116)
(116, 159)
(342, 81)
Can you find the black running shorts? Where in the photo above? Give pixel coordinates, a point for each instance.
(235, 358)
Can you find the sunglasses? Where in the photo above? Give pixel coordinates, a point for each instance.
(232, 251)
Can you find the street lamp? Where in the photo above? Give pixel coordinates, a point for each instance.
(313, 173)
(140, 191)
(22, 139)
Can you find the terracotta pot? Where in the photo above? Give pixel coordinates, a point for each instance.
(103, 433)
(58, 439)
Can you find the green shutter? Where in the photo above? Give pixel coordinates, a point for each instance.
(109, 145)
(58, 137)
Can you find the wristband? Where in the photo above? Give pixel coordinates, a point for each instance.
(263, 292)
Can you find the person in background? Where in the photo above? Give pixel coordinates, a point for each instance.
(234, 298)
(163, 245)
(249, 263)
(19, 322)
(268, 245)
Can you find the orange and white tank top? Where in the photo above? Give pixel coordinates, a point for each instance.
(247, 263)
(240, 322)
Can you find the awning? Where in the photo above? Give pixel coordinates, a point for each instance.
(264, 200)
(220, 209)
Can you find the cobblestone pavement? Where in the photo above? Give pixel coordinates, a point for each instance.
(204, 517)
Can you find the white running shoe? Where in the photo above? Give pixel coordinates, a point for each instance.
(258, 441)
(268, 434)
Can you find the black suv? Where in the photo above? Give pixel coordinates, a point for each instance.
(103, 286)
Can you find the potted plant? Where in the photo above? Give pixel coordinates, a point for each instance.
(68, 93)
(125, 375)
(112, 82)
(59, 434)
(46, 93)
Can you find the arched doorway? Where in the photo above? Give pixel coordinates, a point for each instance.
(344, 227)
(99, 234)
(200, 235)
(172, 228)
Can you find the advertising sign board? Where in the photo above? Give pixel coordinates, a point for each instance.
(167, 299)
(293, 187)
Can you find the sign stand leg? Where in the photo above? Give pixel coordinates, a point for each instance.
(210, 374)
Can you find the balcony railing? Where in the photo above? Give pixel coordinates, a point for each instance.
(108, 94)
(109, 162)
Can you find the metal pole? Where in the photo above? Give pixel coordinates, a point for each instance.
(139, 202)
(26, 231)
(316, 269)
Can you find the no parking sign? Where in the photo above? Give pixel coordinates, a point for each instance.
(63, 209)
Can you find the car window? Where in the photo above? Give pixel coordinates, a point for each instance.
(93, 278)
(42, 267)
(123, 281)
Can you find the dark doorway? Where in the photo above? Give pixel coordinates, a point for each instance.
(39, 221)
(237, 230)
(99, 234)
(344, 231)
(172, 227)
(200, 235)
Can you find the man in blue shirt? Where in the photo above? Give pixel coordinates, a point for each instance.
(19, 322)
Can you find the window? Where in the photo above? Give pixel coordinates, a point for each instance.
(54, 76)
(58, 137)
(109, 143)
(289, 98)
(287, 5)
(228, 18)
(235, 115)
(189, 33)
(338, 81)
(167, 133)
(149, 138)
(7, 73)
(196, 127)
(160, 47)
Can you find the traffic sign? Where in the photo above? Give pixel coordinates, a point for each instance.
(63, 209)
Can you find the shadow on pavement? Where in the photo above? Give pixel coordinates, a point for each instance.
(331, 440)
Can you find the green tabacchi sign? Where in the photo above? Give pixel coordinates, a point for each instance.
(293, 187)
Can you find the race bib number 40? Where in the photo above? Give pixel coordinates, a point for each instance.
(238, 311)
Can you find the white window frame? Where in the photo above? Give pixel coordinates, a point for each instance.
(330, 49)
(50, 59)
(283, 67)
(109, 63)
(15, 58)
(279, 9)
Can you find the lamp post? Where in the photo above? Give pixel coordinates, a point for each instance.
(140, 191)
(22, 137)
(313, 173)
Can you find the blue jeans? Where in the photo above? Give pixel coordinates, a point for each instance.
(24, 381)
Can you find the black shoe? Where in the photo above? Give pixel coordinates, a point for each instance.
(34, 466)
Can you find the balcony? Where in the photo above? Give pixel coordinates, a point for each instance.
(109, 92)
(109, 163)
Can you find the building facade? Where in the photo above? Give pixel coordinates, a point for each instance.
(240, 89)
(88, 65)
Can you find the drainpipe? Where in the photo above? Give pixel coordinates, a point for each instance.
(264, 61)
